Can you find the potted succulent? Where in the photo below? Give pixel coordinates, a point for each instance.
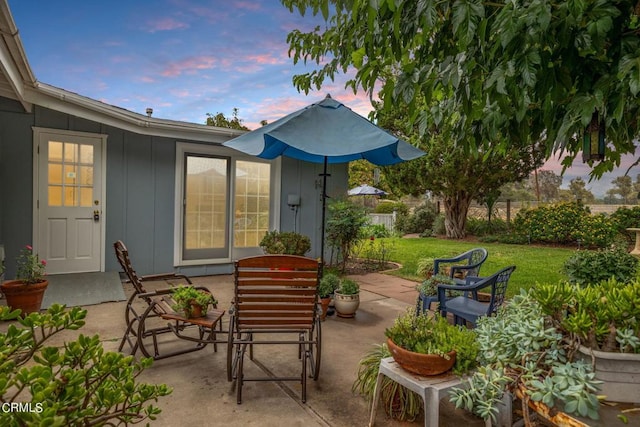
(347, 298)
(430, 345)
(428, 291)
(26, 291)
(603, 322)
(285, 242)
(327, 286)
(191, 301)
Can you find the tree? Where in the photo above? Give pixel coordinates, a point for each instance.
(516, 191)
(623, 187)
(578, 190)
(448, 173)
(511, 72)
(219, 120)
(548, 185)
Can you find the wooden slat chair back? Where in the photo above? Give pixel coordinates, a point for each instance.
(144, 308)
(277, 296)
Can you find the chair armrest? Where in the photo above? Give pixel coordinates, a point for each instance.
(168, 291)
(470, 280)
(164, 276)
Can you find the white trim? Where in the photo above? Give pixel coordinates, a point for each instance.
(233, 155)
(71, 103)
(37, 132)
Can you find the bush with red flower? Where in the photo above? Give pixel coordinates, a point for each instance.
(30, 268)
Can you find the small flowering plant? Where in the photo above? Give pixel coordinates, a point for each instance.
(30, 267)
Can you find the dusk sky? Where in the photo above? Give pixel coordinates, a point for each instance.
(184, 59)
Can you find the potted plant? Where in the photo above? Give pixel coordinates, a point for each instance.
(602, 321)
(191, 301)
(398, 402)
(327, 286)
(430, 345)
(425, 267)
(26, 291)
(347, 298)
(285, 242)
(428, 291)
(520, 352)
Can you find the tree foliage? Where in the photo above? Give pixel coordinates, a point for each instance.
(448, 173)
(511, 72)
(221, 121)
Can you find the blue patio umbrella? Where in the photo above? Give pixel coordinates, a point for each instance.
(325, 132)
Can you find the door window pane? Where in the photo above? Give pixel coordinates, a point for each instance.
(70, 174)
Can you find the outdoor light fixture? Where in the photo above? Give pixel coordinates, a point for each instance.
(593, 141)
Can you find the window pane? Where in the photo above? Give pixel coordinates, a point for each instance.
(70, 152)
(55, 195)
(55, 151)
(252, 199)
(86, 196)
(86, 175)
(206, 195)
(69, 174)
(86, 154)
(55, 173)
(70, 196)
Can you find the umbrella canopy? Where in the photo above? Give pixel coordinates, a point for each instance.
(325, 132)
(366, 190)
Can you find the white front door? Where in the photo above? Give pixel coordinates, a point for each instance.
(69, 201)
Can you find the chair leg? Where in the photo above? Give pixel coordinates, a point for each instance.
(240, 374)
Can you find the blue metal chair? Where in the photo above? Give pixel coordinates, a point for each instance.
(463, 265)
(467, 307)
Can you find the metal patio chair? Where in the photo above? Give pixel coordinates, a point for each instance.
(275, 302)
(150, 317)
(467, 307)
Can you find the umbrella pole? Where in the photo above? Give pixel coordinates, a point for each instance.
(324, 203)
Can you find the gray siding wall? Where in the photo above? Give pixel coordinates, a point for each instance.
(140, 191)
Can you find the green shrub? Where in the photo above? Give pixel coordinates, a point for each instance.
(78, 384)
(285, 242)
(592, 267)
(565, 223)
(625, 218)
(419, 221)
(438, 228)
(343, 227)
(375, 230)
(596, 231)
(481, 227)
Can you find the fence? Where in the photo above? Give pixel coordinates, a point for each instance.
(507, 210)
(388, 220)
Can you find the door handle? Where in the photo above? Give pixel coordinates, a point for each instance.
(96, 215)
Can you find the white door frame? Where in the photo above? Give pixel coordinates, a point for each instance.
(37, 132)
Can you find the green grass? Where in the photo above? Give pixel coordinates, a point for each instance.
(534, 264)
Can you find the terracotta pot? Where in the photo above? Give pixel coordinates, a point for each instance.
(421, 364)
(27, 298)
(196, 310)
(324, 302)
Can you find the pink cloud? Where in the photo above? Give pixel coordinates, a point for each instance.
(165, 24)
(265, 59)
(189, 66)
(247, 5)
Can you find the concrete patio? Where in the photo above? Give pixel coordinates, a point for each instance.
(201, 394)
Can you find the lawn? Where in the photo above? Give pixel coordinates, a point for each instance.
(533, 263)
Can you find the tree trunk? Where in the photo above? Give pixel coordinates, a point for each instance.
(455, 214)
